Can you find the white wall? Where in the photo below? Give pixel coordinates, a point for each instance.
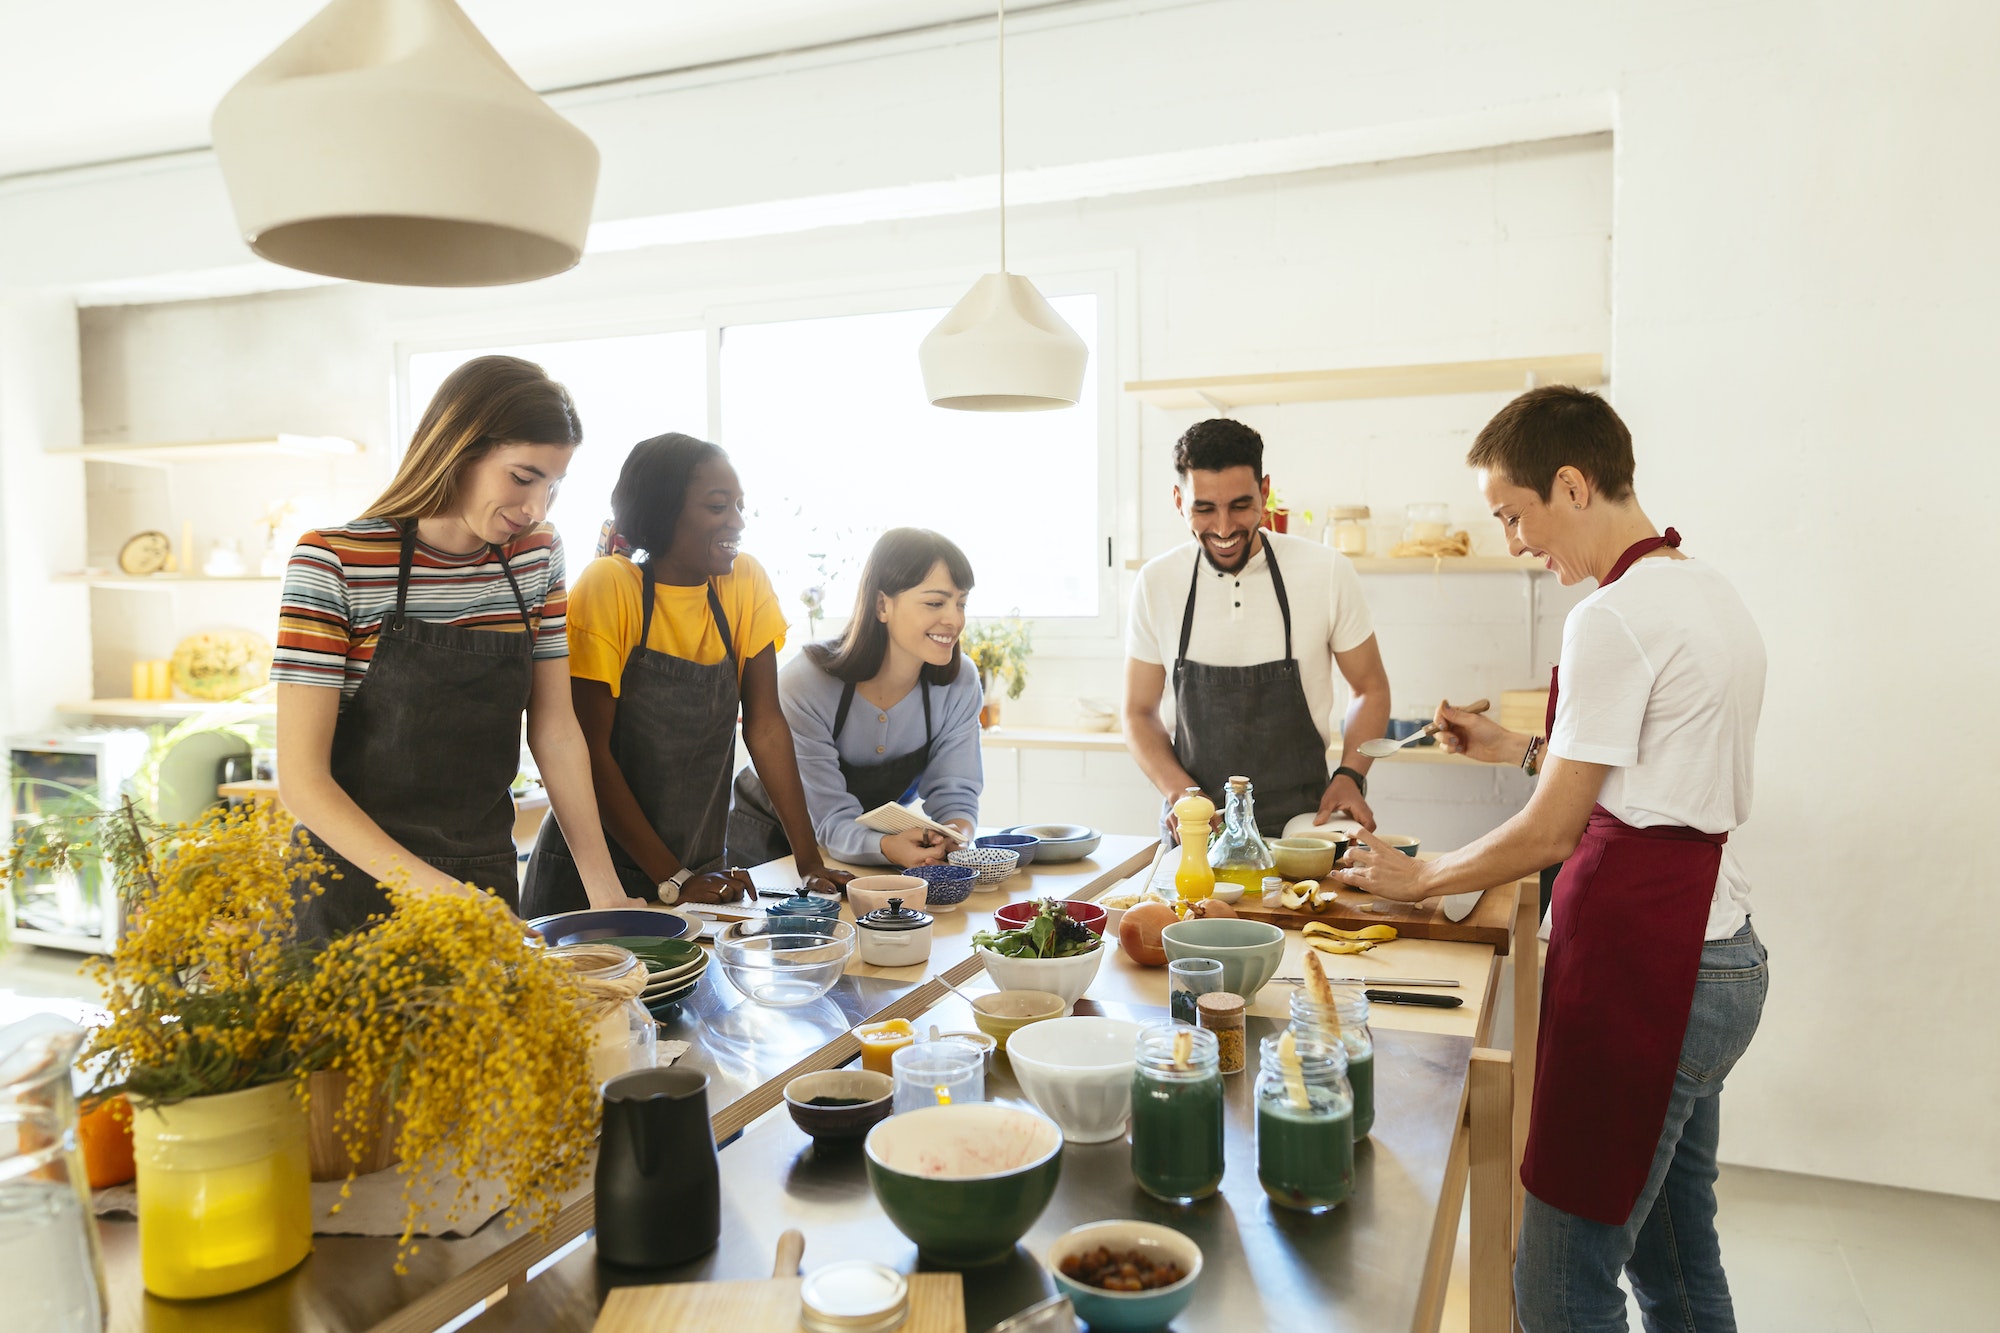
(1802, 294)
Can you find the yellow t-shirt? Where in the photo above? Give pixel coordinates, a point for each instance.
(604, 617)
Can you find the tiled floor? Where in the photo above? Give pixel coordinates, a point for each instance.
(1804, 1254)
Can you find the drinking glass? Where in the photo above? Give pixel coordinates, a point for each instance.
(938, 1073)
(1188, 979)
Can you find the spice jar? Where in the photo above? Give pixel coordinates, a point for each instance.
(1222, 1013)
(1346, 1020)
(622, 1034)
(1177, 1113)
(1348, 532)
(854, 1296)
(1305, 1139)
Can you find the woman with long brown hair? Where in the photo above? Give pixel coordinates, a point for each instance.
(887, 712)
(412, 640)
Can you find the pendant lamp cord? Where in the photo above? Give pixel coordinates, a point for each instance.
(1003, 135)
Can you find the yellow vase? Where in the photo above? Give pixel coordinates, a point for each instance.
(225, 1191)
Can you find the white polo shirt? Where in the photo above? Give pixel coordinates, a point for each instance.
(1663, 680)
(1236, 619)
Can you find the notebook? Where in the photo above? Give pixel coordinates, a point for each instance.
(894, 818)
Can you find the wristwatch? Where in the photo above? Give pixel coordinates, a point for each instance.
(670, 887)
(1360, 779)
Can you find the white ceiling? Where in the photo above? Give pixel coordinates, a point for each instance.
(96, 80)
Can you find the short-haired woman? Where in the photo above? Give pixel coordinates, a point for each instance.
(671, 632)
(1655, 979)
(411, 640)
(887, 712)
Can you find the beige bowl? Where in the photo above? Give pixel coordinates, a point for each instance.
(869, 893)
(1007, 1011)
(1305, 858)
(1407, 846)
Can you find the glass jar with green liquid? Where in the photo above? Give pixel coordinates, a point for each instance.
(1177, 1113)
(1305, 1117)
(1239, 854)
(1346, 1020)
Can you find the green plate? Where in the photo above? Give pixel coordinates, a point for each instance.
(661, 1006)
(657, 954)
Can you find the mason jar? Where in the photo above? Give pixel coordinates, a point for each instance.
(1305, 1126)
(1177, 1113)
(1350, 1005)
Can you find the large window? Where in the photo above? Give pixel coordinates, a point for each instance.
(827, 424)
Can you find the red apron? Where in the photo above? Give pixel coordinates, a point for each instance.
(1630, 910)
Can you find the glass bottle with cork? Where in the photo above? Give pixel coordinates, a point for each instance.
(1239, 854)
(1193, 879)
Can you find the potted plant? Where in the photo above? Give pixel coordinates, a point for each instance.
(449, 1024)
(1000, 649)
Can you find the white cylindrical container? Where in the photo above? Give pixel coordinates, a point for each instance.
(895, 936)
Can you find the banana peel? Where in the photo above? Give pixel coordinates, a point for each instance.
(1332, 939)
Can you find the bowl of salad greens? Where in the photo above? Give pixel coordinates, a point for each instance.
(1050, 952)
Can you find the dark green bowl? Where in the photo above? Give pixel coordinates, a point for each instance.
(1002, 1161)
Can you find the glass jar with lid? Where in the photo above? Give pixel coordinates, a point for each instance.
(622, 1034)
(1177, 1113)
(1347, 533)
(1345, 1021)
(1426, 521)
(1305, 1139)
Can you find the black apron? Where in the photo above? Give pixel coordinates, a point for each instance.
(1249, 720)
(674, 739)
(429, 747)
(756, 836)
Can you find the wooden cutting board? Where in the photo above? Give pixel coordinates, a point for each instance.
(1490, 922)
(762, 1305)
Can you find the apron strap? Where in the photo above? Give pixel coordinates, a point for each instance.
(847, 703)
(403, 569)
(527, 621)
(1277, 585)
(924, 687)
(1630, 557)
(721, 621)
(649, 587)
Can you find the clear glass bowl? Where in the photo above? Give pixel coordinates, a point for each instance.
(785, 961)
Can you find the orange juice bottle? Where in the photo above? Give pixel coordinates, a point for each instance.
(881, 1041)
(1193, 879)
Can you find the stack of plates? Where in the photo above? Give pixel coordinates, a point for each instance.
(673, 970)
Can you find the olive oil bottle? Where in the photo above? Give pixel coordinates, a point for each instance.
(1239, 854)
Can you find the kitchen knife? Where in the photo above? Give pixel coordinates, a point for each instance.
(1410, 997)
(1458, 906)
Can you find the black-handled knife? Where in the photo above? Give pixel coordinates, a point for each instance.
(1411, 997)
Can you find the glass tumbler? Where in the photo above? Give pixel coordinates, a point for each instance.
(1188, 979)
(938, 1073)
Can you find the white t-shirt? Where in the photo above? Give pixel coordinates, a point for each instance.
(1236, 619)
(1662, 679)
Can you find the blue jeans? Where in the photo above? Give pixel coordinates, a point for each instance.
(1566, 1269)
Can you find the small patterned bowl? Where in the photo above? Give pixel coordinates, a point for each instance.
(992, 864)
(949, 885)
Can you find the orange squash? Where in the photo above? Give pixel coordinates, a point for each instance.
(104, 1131)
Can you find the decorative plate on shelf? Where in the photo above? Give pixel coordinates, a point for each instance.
(145, 553)
(221, 664)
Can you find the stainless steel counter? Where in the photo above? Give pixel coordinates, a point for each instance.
(1359, 1268)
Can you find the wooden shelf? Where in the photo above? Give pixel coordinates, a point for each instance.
(199, 451)
(1451, 564)
(1058, 738)
(161, 582)
(150, 710)
(1218, 393)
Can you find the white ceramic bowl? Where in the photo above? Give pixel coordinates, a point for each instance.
(1066, 977)
(991, 864)
(1079, 1072)
(868, 893)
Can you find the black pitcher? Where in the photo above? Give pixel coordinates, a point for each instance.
(659, 1201)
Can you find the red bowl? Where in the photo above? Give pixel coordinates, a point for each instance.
(1016, 915)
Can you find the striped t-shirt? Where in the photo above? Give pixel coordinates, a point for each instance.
(341, 584)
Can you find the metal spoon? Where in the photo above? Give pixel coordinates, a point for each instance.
(1382, 749)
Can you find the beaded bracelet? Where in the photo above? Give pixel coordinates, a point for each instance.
(1531, 761)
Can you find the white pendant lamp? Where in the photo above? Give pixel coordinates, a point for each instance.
(1003, 348)
(387, 141)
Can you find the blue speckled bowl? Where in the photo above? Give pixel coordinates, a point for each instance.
(950, 885)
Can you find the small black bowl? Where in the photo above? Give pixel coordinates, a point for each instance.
(840, 1122)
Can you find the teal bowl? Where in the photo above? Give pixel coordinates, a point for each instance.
(1123, 1311)
(1249, 951)
(964, 1182)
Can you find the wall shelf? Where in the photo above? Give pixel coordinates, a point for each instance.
(201, 451)
(1219, 393)
(1451, 564)
(162, 582)
(140, 710)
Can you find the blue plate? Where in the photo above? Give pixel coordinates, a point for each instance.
(1023, 843)
(607, 924)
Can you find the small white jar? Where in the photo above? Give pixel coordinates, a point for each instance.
(895, 936)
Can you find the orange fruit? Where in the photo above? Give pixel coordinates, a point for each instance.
(105, 1133)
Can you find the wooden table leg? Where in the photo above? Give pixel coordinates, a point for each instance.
(1489, 1112)
(1526, 954)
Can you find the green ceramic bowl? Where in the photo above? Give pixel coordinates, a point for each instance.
(964, 1182)
(1249, 951)
(1118, 1311)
